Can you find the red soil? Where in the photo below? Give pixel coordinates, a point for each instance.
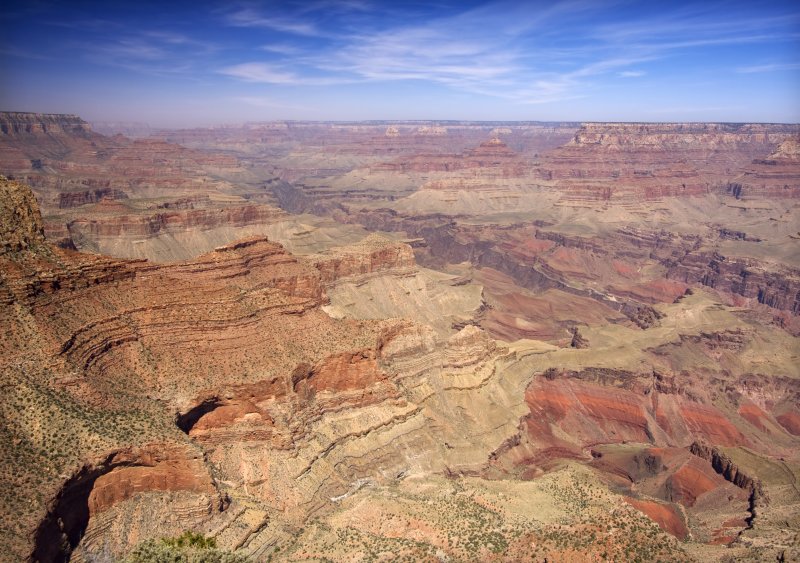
(666, 516)
(712, 424)
(692, 480)
(790, 421)
(754, 415)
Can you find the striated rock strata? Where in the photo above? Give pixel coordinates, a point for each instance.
(230, 352)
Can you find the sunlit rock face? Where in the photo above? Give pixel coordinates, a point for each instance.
(634, 162)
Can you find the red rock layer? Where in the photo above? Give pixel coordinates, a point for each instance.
(160, 467)
(666, 516)
(66, 162)
(218, 339)
(708, 422)
(372, 254)
(629, 162)
(493, 158)
(345, 372)
(776, 176)
(175, 221)
(605, 406)
(692, 480)
(790, 421)
(592, 413)
(754, 415)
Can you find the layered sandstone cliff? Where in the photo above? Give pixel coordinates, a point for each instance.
(371, 255)
(144, 363)
(68, 164)
(776, 176)
(630, 161)
(492, 158)
(77, 326)
(19, 123)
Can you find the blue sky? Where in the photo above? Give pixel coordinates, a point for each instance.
(177, 64)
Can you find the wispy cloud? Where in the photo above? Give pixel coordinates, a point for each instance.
(320, 18)
(770, 67)
(502, 49)
(87, 24)
(21, 53)
(135, 48)
(153, 52)
(173, 39)
(696, 24)
(260, 73)
(282, 49)
(265, 73)
(491, 50)
(249, 17)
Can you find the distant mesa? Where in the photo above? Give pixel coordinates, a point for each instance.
(497, 131)
(131, 129)
(12, 123)
(789, 150)
(431, 131)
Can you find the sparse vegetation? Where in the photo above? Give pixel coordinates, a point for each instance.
(189, 547)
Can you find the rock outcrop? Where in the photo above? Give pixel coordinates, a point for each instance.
(101, 354)
(21, 226)
(492, 158)
(67, 163)
(21, 123)
(76, 199)
(372, 254)
(92, 322)
(775, 287)
(776, 176)
(640, 162)
(97, 487)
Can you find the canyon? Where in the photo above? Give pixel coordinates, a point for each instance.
(401, 340)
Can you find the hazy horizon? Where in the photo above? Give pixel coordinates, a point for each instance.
(183, 64)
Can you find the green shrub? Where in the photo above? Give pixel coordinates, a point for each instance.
(189, 547)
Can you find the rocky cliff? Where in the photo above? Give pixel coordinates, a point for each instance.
(66, 162)
(493, 158)
(629, 161)
(776, 176)
(121, 370)
(21, 123)
(110, 227)
(21, 227)
(91, 322)
(373, 254)
(777, 287)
